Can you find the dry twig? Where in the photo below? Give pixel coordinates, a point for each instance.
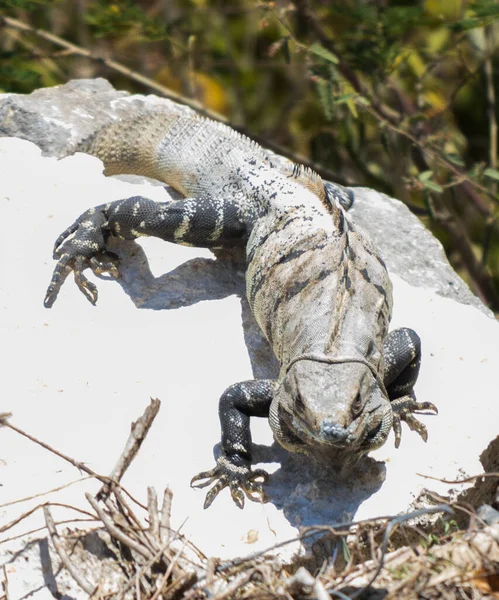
(77, 575)
(139, 430)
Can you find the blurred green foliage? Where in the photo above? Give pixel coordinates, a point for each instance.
(395, 95)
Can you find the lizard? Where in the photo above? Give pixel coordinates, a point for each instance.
(315, 284)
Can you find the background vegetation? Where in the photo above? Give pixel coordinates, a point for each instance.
(395, 95)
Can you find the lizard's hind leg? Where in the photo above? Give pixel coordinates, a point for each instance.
(402, 354)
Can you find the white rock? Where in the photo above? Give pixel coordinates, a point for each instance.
(76, 376)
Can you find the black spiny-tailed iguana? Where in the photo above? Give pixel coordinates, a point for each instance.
(316, 286)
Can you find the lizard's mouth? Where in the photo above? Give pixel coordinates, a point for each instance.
(328, 438)
(329, 441)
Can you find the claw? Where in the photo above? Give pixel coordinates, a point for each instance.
(105, 263)
(237, 496)
(259, 474)
(222, 483)
(55, 282)
(238, 477)
(86, 247)
(208, 475)
(88, 289)
(403, 410)
(397, 429)
(254, 491)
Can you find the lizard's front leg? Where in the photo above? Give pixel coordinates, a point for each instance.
(204, 221)
(87, 248)
(402, 355)
(237, 404)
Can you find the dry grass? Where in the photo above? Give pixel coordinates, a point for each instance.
(132, 552)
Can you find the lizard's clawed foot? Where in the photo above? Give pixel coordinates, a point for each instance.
(87, 248)
(238, 476)
(104, 262)
(403, 409)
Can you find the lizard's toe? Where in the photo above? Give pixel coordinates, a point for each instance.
(64, 235)
(239, 477)
(254, 491)
(85, 248)
(260, 474)
(88, 289)
(403, 410)
(58, 277)
(196, 481)
(105, 262)
(221, 483)
(237, 495)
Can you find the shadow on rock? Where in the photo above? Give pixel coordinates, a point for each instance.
(194, 281)
(312, 493)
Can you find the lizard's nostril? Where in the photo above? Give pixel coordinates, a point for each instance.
(334, 431)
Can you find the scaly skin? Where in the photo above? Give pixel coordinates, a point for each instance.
(316, 286)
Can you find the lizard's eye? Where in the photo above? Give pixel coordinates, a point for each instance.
(299, 404)
(357, 405)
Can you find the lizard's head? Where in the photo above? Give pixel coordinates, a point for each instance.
(334, 412)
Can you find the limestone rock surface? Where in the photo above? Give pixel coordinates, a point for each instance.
(176, 326)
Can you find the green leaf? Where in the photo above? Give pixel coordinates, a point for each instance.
(344, 98)
(319, 50)
(489, 9)
(363, 100)
(425, 175)
(325, 89)
(349, 100)
(492, 173)
(286, 51)
(455, 158)
(465, 25)
(425, 179)
(431, 185)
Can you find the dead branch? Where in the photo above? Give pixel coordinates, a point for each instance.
(79, 465)
(80, 579)
(464, 480)
(3, 418)
(115, 531)
(51, 491)
(166, 510)
(152, 509)
(139, 430)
